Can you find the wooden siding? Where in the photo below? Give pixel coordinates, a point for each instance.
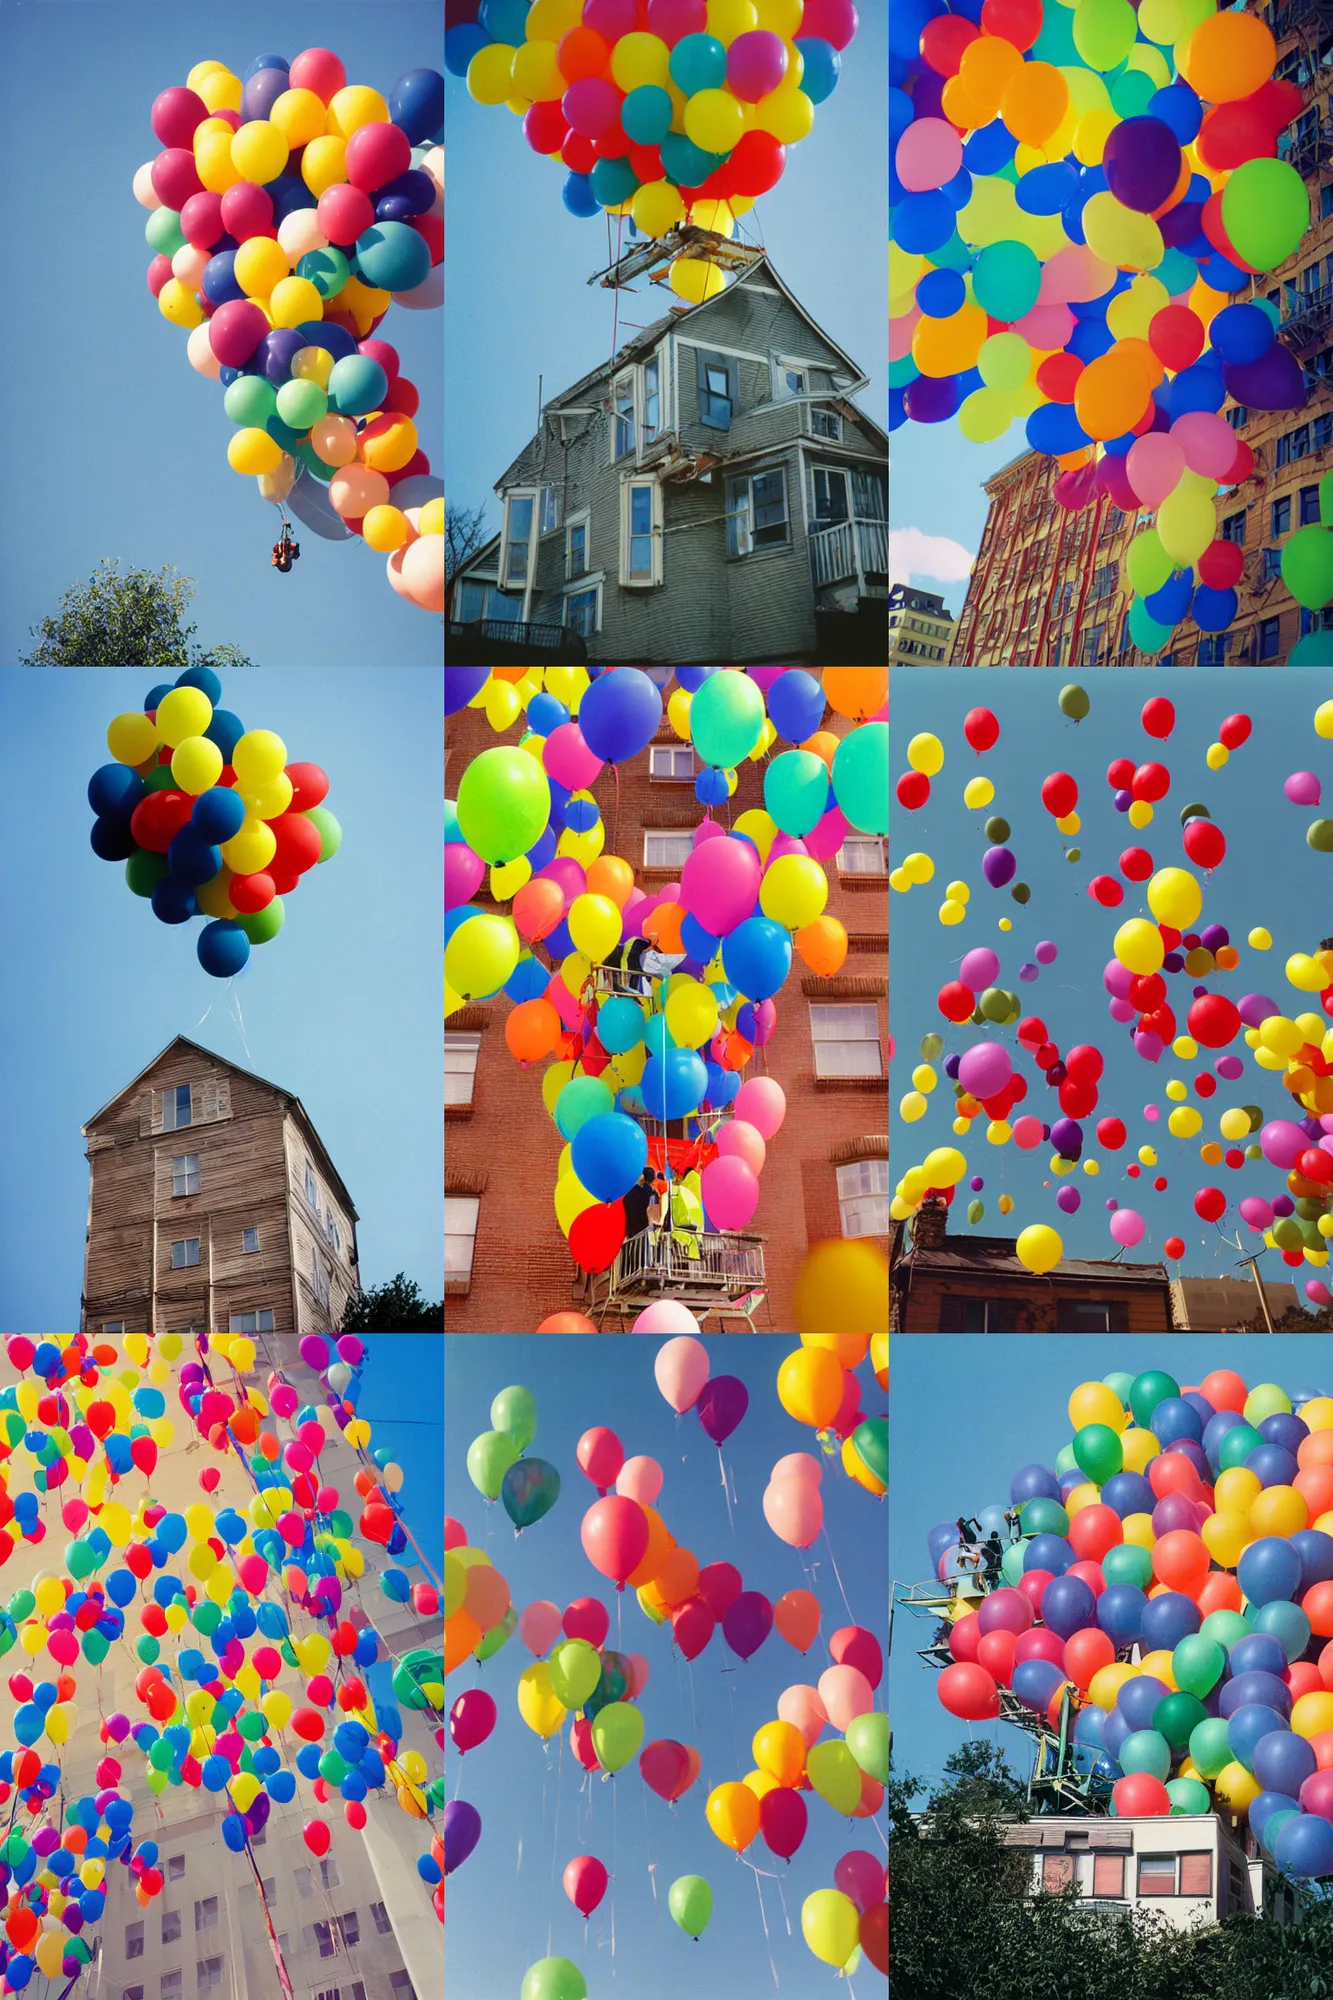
(306, 1234)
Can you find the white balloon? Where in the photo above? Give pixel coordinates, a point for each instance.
(144, 192)
(200, 354)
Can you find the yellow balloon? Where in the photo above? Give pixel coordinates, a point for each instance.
(253, 451)
(537, 1701)
(196, 764)
(1312, 1714)
(1175, 898)
(1138, 946)
(794, 891)
(177, 303)
(294, 301)
(213, 161)
(355, 105)
(49, 1592)
(732, 1812)
(250, 849)
(49, 1951)
(1096, 1403)
(595, 925)
(259, 151)
(324, 161)
(1236, 1786)
(830, 1925)
(299, 115)
(277, 1706)
(186, 711)
(925, 753)
(692, 1014)
(696, 281)
(1039, 1248)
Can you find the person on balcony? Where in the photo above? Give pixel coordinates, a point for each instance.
(638, 957)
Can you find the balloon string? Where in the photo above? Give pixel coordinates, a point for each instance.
(763, 1915)
(614, 1804)
(727, 1492)
(880, 1831)
(240, 1020)
(652, 1865)
(782, 1898)
(834, 1560)
(555, 1851)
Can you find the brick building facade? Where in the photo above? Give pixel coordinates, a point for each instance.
(501, 1147)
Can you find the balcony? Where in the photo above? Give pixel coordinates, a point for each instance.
(499, 642)
(855, 548)
(713, 1273)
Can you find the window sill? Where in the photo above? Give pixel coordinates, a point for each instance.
(862, 883)
(871, 1084)
(765, 549)
(457, 1288)
(453, 1112)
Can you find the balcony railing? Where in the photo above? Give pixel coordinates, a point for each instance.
(712, 1271)
(858, 548)
(502, 642)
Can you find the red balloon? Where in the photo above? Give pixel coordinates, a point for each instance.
(600, 1454)
(1151, 782)
(545, 127)
(158, 818)
(584, 1878)
(615, 1537)
(1120, 774)
(1094, 1530)
(1016, 21)
(875, 1935)
(595, 1236)
(1210, 1203)
(310, 785)
(667, 1768)
(1234, 731)
(995, 1652)
(1058, 374)
(377, 153)
(913, 789)
(756, 163)
(943, 40)
(1158, 717)
(580, 1737)
(1221, 565)
(316, 1836)
(1213, 1022)
(1174, 1247)
(719, 1586)
(782, 1821)
(1086, 1652)
(1176, 336)
(853, 1646)
(344, 213)
(1059, 794)
(1104, 889)
(955, 1001)
(981, 729)
(144, 1453)
(1242, 465)
(471, 1719)
(586, 1618)
(968, 1692)
(1204, 843)
(1316, 1165)
(965, 1636)
(692, 1626)
(299, 842)
(1084, 1063)
(1139, 1794)
(251, 892)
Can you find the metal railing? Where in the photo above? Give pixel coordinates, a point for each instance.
(858, 548)
(710, 1269)
(487, 641)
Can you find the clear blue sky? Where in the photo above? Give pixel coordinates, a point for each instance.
(936, 489)
(502, 1902)
(1269, 877)
(1016, 1411)
(402, 1399)
(122, 446)
(519, 304)
(342, 1007)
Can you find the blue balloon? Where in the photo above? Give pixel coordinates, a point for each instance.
(673, 1086)
(1269, 1570)
(1258, 1653)
(408, 194)
(823, 67)
(219, 284)
(1247, 1728)
(1302, 1847)
(226, 730)
(1179, 109)
(173, 902)
(218, 814)
(939, 295)
(277, 350)
(21, 1968)
(1120, 1612)
(796, 699)
(461, 683)
(1175, 1418)
(578, 196)
(233, 1833)
(281, 1787)
(265, 62)
(1035, 1681)
(646, 115)
(114, 790)
(699, 943)
(710, 788)
(1283, 1762)
(111, 839)
(1254, 1690)
(1241, 333)
(223, 948)
(154, 698)
(1168, 1619)
(757, 956)
(1138, 1700)
(1067, 1605)
(1214, 610)
(545, 714)
(610, 1152)
(461, 44)
(1128, 1493)
(1032, 1482)
(723, 1085)
(191, 860)
(416, 104)
(1315, 1550)
(620, 715)
(1050, 1552)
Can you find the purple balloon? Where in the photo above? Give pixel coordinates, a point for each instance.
(1302, 788)
(1120, 1010)
(1027, 972)
(257, 1816)
(1256, 1008)
(1213, 936)
(1229, 1068)
(463, 873)
(997, 863)
(1148, 1045)
(764, 675)
(1046, 953)
(462, 1831)
(1117, 979)
(1067, 1138)
(1274, 382)
(747, 1622)
(984, 1070)
(1141, 162)
(722, 1403)
(460, 684)
(1282, 1143)
(979, 968)
(1069, 1200)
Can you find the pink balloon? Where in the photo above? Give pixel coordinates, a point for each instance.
(667, 1316)
(801, 1706)
(826, 839)
(1073, 277)
(862, 1878)
(1026, 1133)
(853, 1646)
(539, 1626)
(585, 1880)
(794, 1510)
(471, 1719)
(719, 884)
(730, 1192)
(930, 152)
(587, 1618)
(1127, 1227)
(900, 346)
(1154, 466)
(1206, 439)
(464, 872)
(600, 1455)
(735, 1139)
(567, 758)
(639, 1671)
(756, 65)
(566, 1006)
(845, 1693)
(640, 1479)
(1319, 1295)
(1046, 326)
(798, 1465)
(761, 1103)
(1257, 1212)
(681, 1368)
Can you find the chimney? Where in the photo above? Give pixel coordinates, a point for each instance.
(931, 1225)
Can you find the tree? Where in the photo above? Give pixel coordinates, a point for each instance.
(133, 618)
(396, 1307)
(464, 533)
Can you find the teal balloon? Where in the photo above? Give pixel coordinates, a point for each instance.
(328, 271)
(646, 115)
(1146, 1750)
(1187, 1795)
(393, 257)
(698, 62)
(620, 1026)
(582, 1098)
(690, 1901)
(871, 1441)
(1147, 1390)
(1197, 1664)
(250, 401)
(1011, 1563)
(796, 792)
(726, 716)
(1144, 630)
(1128, 1563)
(530, 1489)
(163, 232)
(514, 1411)
(613, 1683)
(1006, 279)
(1043, 1516)
(861, 776)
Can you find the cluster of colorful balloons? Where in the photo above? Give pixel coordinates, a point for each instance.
(288, 211)
(209, 817)
(1081, 198)
(817, 1384)
(498, 1466)
(1173, 1580)
(668, 113)
(745, 900)
(854, 1912)
(1147, 951)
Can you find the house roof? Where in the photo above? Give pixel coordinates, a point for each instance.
(992, 1257)
(183, 1042)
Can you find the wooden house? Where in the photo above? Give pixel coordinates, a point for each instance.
(212, 1206)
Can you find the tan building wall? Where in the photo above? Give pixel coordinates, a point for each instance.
(1193, 1868)
(1228, 1303)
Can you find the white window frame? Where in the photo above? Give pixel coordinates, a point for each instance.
(249, 1249)
(311, 1187)
(260, 1321)
(670, 753)
(740, 512)
(862, 854)
(784, 392)
(173, 1983)
(863, 1198)
(184, 1169)
(462, 1043)
(628, 487)
(821, 1013)
(171, 1917)
(185, 1262)
(204, 1918)
(172, 1121)
(583, 519)
(549, 494)
(506, 582)
(819, 521)
(832, 417)
(208, 1973)
(463, 1239)
(653, 857)
(319, 1278)
(332, 1234)
(585, 586)
(622, 423)
(113, 1326)
(496, 606)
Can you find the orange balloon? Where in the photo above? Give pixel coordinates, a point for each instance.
(462, 1636)
(532, 1030)
(823, 946)
(824, 744)
(989, 65)
(1317, 1449)
(611, 877)
(796, 1615)
(959, 108)
(1181, 1561)
(663, 926)
(487, 1597)
(872, 1797)
(678, 1578)
(1035, 99)
(732, 1812)
(508, 673)
(779, 1750)
(1086, 1652)
(567, 1323)
(1316, 1486)
(1111, 394)
(660, 1544)
(1317, 1605)
(1228, 56)
(1219, 1592)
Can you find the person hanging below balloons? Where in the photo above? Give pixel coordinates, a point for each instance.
(285, 550)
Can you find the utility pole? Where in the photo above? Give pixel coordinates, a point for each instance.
(1253, 1265)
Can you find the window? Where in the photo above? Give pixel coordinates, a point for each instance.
(325, 1940)
(113, 1326)
(863, 1198)
(757, 511)
(381, 1916)
(250, 1242)
(311, 1188)
(1323, 430)
(719, 390)
(172, 1984)
(794, 382)
(827, 424)
(330, 1993)
(831, 496)
(623, 395)
(259, 1839)
(460, 1234)
(175, 1867)
(1108, 1875)
(1157, 1875)
(640, 533)
(184, 1252)
(1309, 505)
(208, 1974)
(350, 1925)
(303, 1883)
(269, 1883)
(1281, 511)
(206, 1913)
(460, 1066)
(576, 546)
(1272, 564)
(480, 599)
(1103, 583)
(862, 854)
(134, 1940)
(1268, 639)
(1057, 1872)
(1326, 201)
(319, 1277)
(517, 540)
(132, 1993)
(1088, 1316)
(332, 1233)
(171, 1926)
(987, 1316)
(185, 1170)
(846, 1040)
(255, 1322)
(652, 398)
(1213, 650)
(176, 1107)
(1233, 528)
(672, 763)
(328, 1872)
(583, 611)
(550, 510)
(400, 1983)
(1196, 1874)
(667, 850)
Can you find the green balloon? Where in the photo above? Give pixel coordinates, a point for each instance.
(1210, 1747)
(262, 925)
(1177, 1716)
(1043, 1516)
(80, 1560)
(1065, 1460)
(1198, 1664)
(22, 1604)
(528, 1490)
(1098, 1452)
(498, 1634)
(617, 1732)
(328, 271)
(1265, 212)
(1148, 635)
(932, 1046)
(1074, 854)
(252, 1726)
(206, 1617)
(144, 870)
(1236, 1446)
(489, 1457)
(1021, 892)
(1127, 1563)
(690, 1901)
(96, 1647)
(1131, 92)
(796, 795)
(333, 1767)
(1146, 1750)
(514, 1411)
(1307, 566)
(1104, 32)
(835, 1775)
(871, 1440)
(997, 831)
(1147, 1391)
(868, 1741)
(582, 1098)
(148, 1649)
(554, 1979)
(163, 232)
(1287, 1235)
(301, 403)
(504, 802)
(575, 1670)
(861, 776)
(330, 833)
(726, 716)
(1187, 1795)
(252, 400)
(1319, 836)
(1074, 702)
(975, 1211)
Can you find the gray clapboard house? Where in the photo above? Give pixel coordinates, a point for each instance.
(714, 494)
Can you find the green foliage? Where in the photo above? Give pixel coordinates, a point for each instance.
(133, 618)
(395, 1307)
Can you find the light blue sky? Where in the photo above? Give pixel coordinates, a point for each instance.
(952, 1457)
(935, 489)
(342, 1007)
(1269, 877)
(506, 1905)
(519, 305)
(118, 447)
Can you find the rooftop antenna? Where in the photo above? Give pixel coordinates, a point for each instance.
(540, 380)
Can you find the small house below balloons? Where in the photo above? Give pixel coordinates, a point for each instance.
(714, 493)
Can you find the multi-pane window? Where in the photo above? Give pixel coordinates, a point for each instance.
(1157, 1875)
(206, 1913)
(381, 1917)
(331, 1229)
(319, 1278)
(667, 850)
(757, 511)
(715, 399)
(1213, 651)
(862, 854)
(184, 1174)
(672, 763)
(826, 424)
(176, 1107)
(113, 1326)
(184, 1251)
(583, 611)
(131, 1993)
(175, 1867)
(1309, 505)
(1233, 528)
(831, 495)
(987, 1316)
(1323, 430)
(550, 510)
(846, 1040)
(252, 1322)
(460, 1234)
(863, 1198)
(249, 1241)
(519, 519)
(1282, 514)
(652, 398)
(1272, 564)
(577, 564)
(460, 1066)
(208, 1974)
(171, 1926)
(134, 1940)
(324, 1938)
(311, 1187)
(173, 1984)
(624, 414)
(304, 1883)
(641, 532)
(328, 1872)
(350, 1924)
(1268, 639)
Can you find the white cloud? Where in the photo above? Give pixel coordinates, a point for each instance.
(914, 554)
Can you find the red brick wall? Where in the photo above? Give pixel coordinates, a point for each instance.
(506, 1150)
